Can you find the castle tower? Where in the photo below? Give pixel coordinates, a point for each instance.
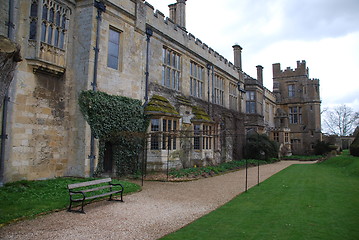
(299, 97)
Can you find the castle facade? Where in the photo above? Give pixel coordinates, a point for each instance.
(127, 48)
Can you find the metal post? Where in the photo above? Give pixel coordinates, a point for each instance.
(258, 172)
(143, 160)
(168, 159)
(246, 187)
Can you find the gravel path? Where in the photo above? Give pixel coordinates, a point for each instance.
(160, 208)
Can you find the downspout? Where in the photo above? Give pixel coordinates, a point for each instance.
(213, 100)
(208, 90)
(10, 34)
(100, 8)
(149, 34)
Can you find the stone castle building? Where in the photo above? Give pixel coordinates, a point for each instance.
(127, 48)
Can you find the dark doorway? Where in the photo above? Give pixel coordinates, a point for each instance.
(108, 158)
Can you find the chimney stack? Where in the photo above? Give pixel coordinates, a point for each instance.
(237, 51)
(260, 74)
(178, 13)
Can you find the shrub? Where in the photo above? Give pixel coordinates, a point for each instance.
(321, 148)
(259, 146)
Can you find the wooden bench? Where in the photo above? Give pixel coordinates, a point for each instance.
(84, 193)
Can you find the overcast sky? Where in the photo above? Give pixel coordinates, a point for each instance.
(325, 33)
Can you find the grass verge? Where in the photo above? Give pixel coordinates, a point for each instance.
(316, 201)
(26, 199)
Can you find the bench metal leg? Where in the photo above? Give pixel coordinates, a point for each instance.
(78, 211)
(111, 199)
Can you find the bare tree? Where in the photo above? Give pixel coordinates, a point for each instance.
(341, 120)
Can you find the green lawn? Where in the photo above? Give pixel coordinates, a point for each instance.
(317, 201)
(26, 199)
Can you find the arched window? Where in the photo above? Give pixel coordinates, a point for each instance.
(33, 20)
(62, 39)
(33, 24)
(52, 15)
(44, 12)
(33, 11)
(49, 35)
(56, 37)
(43, 32)
(58, 18)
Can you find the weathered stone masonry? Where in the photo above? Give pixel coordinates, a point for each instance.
(47, 134)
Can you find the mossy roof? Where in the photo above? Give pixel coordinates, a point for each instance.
(160, 105)
(200, 115)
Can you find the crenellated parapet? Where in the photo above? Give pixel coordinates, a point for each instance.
(301, 70)
(167, 28)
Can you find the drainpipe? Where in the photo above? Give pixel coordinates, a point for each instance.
(100, 8)
(149, 34)
(10, 34)
(213, 84)
(208, 90)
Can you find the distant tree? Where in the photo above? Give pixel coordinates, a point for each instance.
(341, 120)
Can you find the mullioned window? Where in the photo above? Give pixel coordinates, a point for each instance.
(171, 69)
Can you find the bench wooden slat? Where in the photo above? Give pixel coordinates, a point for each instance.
(91, 189)
(102, 195)
(96, 196)
(89, 183)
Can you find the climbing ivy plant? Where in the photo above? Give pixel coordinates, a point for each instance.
(119, 120)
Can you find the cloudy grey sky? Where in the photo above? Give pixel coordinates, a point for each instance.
(325, 33)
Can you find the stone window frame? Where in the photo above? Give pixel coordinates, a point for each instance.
(295, 115)
(196, 79)
(171, 68)
(117, 43)
(233, 96)
(162, 133)
(207, 136)
(218, 90)
(251, 106)
(203, 136)
(276, 136)
(291, 90)
(155, 136)
(169, 130)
